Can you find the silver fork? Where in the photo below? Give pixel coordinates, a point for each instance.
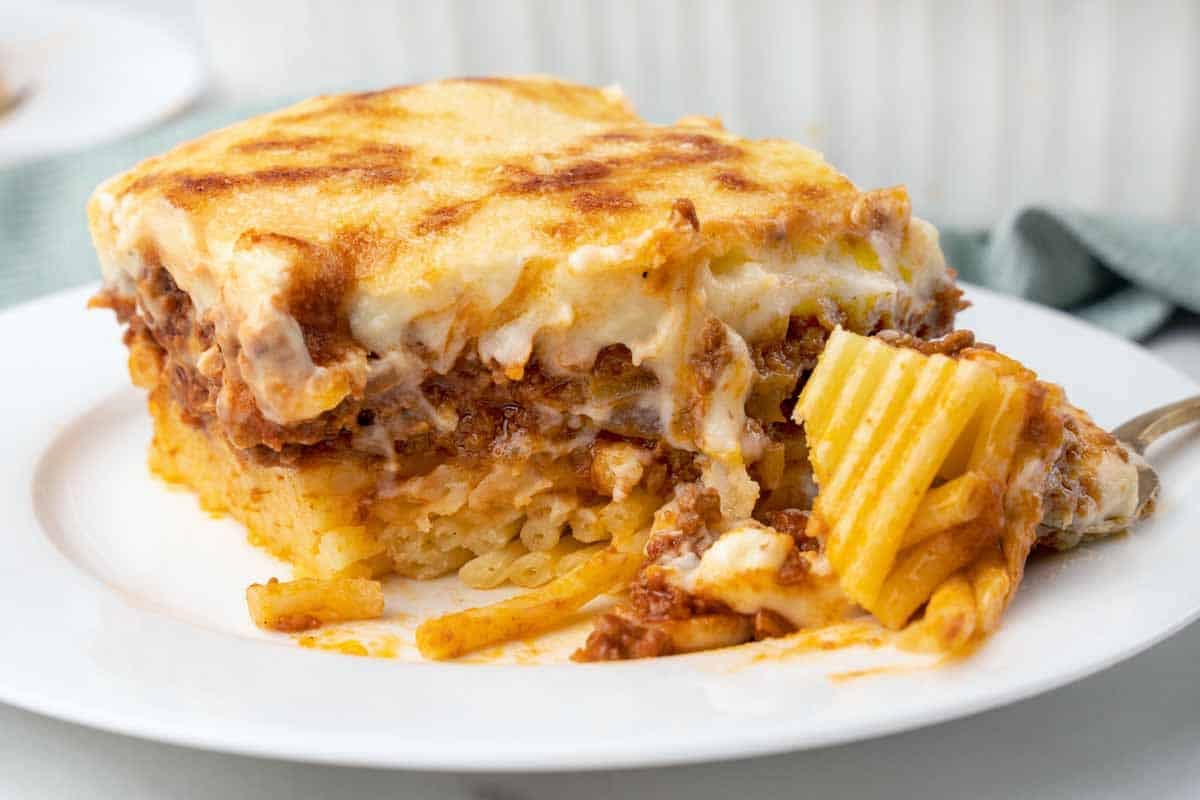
(1139, 433)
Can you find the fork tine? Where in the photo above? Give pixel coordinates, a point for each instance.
(1139, 432)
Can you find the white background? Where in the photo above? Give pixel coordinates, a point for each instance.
(976, 106)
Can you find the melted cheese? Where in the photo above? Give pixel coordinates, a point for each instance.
(741, 570)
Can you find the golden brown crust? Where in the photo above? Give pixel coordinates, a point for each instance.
(532, 156)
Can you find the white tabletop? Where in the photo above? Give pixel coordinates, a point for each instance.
(1133, 730)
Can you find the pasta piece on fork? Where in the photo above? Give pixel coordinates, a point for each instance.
(882, 430)
(875, 469)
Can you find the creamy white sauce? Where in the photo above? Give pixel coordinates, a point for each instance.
(740, 569)
(1117, 482)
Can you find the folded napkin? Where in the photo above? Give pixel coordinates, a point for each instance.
(1123, 274)
(1120, 273)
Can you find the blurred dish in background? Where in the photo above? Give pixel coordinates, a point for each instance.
(83, 75)
(12, 94)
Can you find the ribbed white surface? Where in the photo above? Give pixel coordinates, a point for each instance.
(977, 107)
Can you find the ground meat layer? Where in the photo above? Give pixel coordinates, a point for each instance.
(472, 409)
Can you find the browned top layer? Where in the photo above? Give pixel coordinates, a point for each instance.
(390, 187)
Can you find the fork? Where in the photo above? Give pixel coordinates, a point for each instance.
(1139, 433)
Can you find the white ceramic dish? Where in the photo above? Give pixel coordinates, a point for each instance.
(93, 74)
(125, 612)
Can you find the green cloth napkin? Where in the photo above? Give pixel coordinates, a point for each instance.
(1123, 274)
(44, 240)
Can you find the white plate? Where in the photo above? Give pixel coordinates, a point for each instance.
(124, 610)
(94, 74)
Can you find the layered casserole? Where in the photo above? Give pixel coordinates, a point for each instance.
(506, 327)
